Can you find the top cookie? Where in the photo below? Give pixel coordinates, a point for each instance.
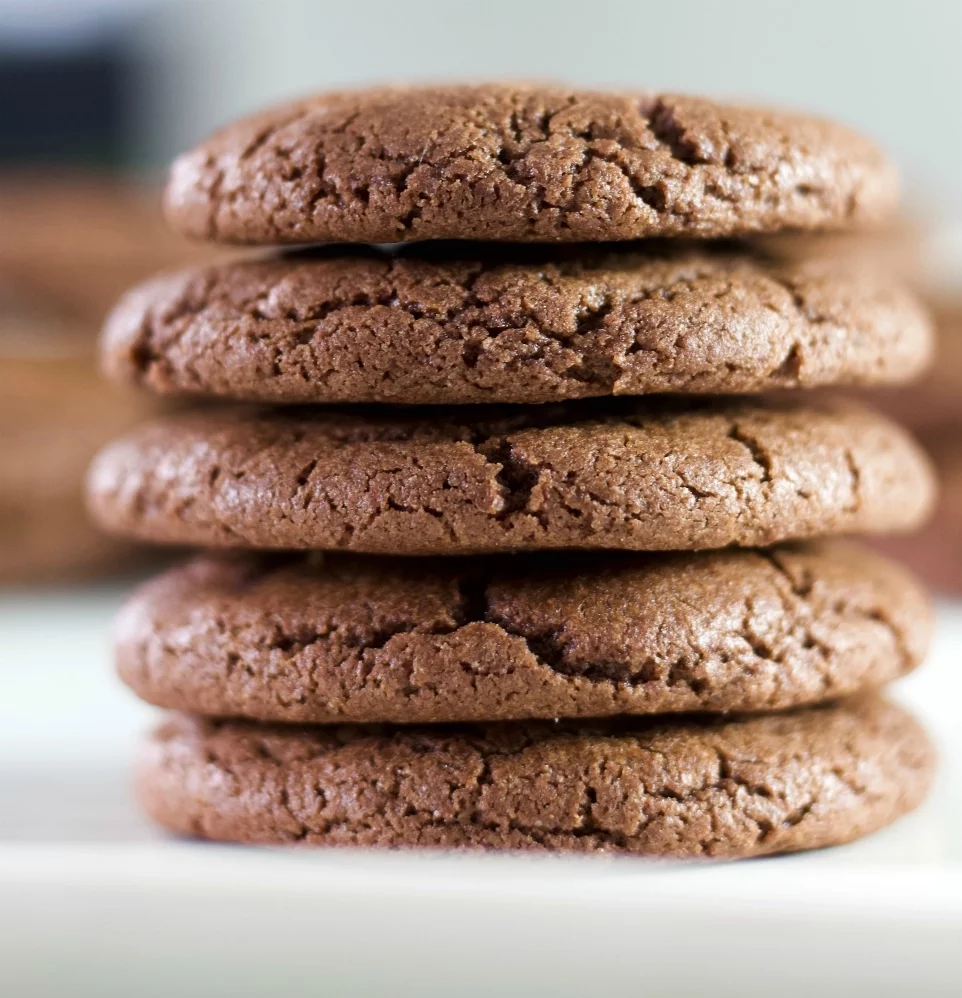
(522, 163)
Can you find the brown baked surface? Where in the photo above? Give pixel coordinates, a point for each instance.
(711, 788)
(460, 324)
(522, 163)
(328, 639)
(622, 474)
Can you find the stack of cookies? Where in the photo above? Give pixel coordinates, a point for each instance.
(534, 582)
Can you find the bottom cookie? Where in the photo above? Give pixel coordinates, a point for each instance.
(693, 788)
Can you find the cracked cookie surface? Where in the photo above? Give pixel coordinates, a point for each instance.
(457, 325)
(338, 638)
(522, 163)
(710, 788)
(618, 474)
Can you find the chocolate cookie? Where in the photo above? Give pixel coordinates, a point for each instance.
(710, 788)
(520, 163)
(511, 327)
(333, 639)
(619, 474)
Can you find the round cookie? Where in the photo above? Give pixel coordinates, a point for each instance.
(331, 639)
(622, 474)
(515, 326)
(520, 163)
(710, 788)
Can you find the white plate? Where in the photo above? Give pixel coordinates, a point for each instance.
(93, 901)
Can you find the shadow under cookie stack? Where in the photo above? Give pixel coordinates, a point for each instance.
(473, 598)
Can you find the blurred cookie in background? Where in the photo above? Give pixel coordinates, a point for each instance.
(932, 408)
(69, 243)
(54, 413)
(79, 239)
(935, 552)
(899, 248)
(935, 400)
